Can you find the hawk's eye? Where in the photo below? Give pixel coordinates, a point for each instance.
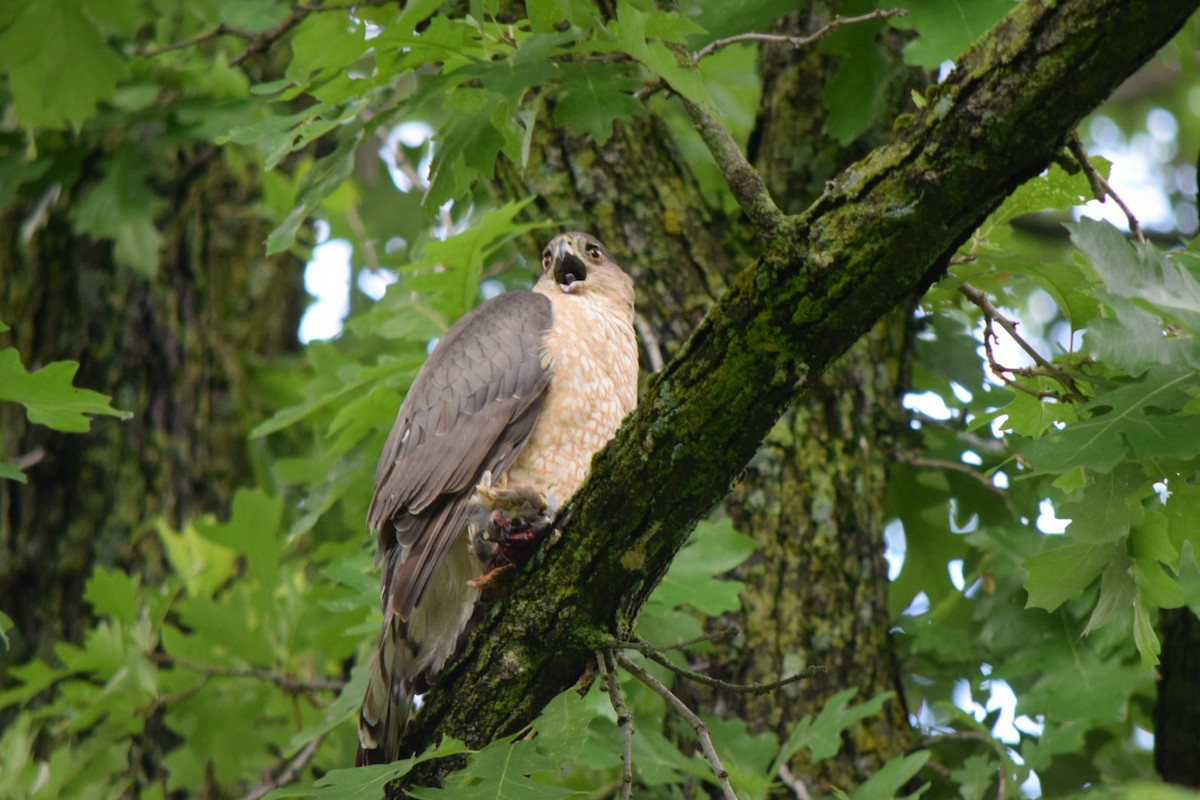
(546, 259)
(593, 252)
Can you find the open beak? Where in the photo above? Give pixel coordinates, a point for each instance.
(570, 271)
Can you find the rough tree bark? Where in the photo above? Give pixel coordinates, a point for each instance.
(879, 235)
(169, 349)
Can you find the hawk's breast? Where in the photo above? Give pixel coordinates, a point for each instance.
(591, 350)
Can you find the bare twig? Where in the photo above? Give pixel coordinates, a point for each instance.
(992, 316)
(724, 634)
(655, 655)
(746, 185)
(286, 682)
(257, 42)
(682, 710)
(27, 460)
(796, 41)
(649, 342)
(657, 84)
(284, 772)
(1101, 187)
(200, 38)
(797, 787)
(953, 466)
(612, 684)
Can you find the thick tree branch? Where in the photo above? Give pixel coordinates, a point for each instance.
(880, 234)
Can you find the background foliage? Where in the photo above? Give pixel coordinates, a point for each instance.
(234, 671)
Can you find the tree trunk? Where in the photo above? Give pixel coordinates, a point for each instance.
(812, 499)
(170, 349)
(1176, 723)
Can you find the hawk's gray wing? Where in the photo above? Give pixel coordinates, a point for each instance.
(469, 411)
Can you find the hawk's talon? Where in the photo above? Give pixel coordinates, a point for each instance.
(506, 525)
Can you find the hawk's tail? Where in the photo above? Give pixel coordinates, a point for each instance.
(387, 701)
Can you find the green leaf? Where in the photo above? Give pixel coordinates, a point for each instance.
(464, 254)
(254, 531)
(324, 46)
(946, 27)
(1032, 417)
(203, 565)
(713, 549)
(1055, 189)
(58, 64)
(921, 501)
(562, 726)
(114, 593)
(823, 736)
(1140, 273)
(1117, 591)
(10, 471)
(325, 177)
(1107, 506)
(365, 783)
(1064, 572)
(1073, 688)
(639, 34)
(122, 207)
(594, 95)
(48, 395)
(1135, 420)
(885, 783)
(501, 771)
(856, 95)
(468, 144)
(6, 625)
(746, 756)
(1132, 339)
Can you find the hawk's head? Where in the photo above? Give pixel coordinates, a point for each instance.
(579, 264)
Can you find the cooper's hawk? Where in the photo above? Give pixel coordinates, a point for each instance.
(517, 396)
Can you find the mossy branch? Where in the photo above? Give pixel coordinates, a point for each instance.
(880, 234)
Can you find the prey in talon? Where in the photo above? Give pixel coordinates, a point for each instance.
(505, 527)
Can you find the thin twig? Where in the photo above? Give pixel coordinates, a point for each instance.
(792, 782)
(1101, 187)
(953, 466)
(165, 700)
(796, 41)
(992, 315)
(200, 38)
(286, 682)
(27, 460)
(650, 342)
(682, 710)
(287, 771)
(746, 185)
(624, 719)
(723, 635)
(652, 87)
(657, 657)
(257, 42)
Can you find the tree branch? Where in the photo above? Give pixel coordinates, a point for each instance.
(796, 41)
(746, 185)
(680, 708)
(879, 235)
(1101, 187)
